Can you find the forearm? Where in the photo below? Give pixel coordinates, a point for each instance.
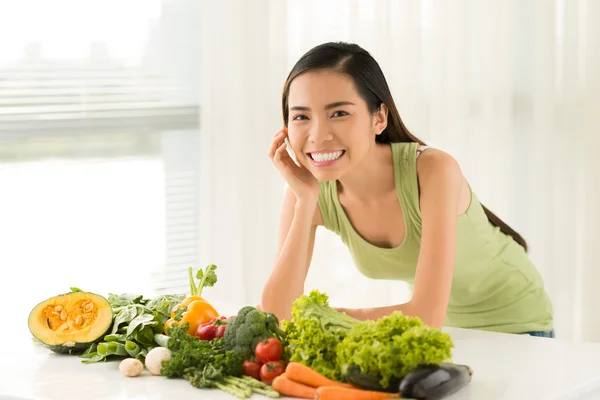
(407, 308)
(286, 282)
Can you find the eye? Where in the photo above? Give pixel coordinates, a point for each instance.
(339, 114)
(299, 117)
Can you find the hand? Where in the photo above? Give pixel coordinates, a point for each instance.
(301, 181)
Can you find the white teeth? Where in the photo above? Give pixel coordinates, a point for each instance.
(322, 157)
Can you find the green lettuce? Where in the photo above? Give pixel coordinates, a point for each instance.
(392, 346)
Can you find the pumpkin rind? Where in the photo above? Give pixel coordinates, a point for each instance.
(71, 322)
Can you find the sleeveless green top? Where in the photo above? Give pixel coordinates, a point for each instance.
(495, 286)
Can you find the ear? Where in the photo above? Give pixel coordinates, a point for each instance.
(380, 119)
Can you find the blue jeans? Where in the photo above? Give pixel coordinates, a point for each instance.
(541, 333)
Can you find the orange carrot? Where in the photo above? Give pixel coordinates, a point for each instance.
(340, 393)
(303, 374)
(288, 387)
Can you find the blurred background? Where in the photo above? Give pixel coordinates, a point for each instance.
(134, 137)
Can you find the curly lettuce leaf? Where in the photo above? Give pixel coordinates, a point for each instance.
(392, 346)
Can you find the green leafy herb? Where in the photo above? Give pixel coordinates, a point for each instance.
(208, 364)
(207, 277)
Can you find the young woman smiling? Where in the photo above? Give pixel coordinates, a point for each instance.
(404, 210)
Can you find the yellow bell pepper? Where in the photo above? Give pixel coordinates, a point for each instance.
(194, 309)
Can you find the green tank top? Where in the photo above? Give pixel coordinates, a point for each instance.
(495, 286)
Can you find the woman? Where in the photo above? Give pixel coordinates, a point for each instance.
(404, 210)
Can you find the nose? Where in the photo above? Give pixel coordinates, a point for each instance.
(319, 132)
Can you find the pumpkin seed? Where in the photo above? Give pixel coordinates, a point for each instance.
(58, 308)
(63, 315)
(79, 320)
(89, 307)
(56, 314)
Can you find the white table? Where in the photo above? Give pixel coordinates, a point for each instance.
(506, 367)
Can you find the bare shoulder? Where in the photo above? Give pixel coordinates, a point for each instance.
(439, 173)
(437, 164)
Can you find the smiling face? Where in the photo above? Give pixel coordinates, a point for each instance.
(330, 127)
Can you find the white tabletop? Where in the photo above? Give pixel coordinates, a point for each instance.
(506, 367)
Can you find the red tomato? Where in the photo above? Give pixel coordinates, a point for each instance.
(252, 369)
(271, 370)
(206, 332)
(269, 351)
(220, 331)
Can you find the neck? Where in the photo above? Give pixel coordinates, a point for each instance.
(372, 178)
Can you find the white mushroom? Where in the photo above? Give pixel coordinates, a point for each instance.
(155, 357)
(131, 367)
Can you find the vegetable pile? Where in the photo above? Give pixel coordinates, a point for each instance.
(331, 342)
(319, 353)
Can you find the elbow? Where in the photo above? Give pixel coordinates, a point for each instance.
(431, 315)
(270, 304)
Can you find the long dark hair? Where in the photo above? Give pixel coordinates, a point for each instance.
(355, 62)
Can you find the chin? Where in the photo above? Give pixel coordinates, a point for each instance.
(326, 176)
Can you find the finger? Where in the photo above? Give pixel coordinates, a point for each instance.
(281, 152)
(274, 146)
(277, 140)
(279, 132)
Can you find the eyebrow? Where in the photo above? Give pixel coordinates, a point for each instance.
(327, 107)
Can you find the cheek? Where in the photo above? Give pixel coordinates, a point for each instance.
(296, 140)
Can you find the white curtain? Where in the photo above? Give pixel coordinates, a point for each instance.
(511, 89)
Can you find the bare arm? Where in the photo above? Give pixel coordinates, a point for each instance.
(441, 181)
(297, 227)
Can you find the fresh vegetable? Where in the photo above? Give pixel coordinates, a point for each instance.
(195, 310)
(131, 367)
(392, 346)
(242, 387)
(189, 351)
(156, 358)
(314, 332)
(271, 370)
(269, 350)
(248, 328)
(214, 328)
(208, 364)
(302, 374)
(136, 328)
(257, 386)
(220, 332)
(340, 393)
(290, 388)
(369, 382)
(433, 382)
(252, 369)
(71, 322)
(206, 332)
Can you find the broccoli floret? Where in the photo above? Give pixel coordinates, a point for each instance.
(249, 327)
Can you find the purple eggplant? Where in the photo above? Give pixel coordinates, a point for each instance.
(434, 382)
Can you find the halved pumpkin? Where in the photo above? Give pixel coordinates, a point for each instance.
(71, 322)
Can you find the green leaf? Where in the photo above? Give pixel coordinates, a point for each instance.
(179, 313)
(125, 316)
(124, 299)
(144, 336)
(75, 289)
(141, 320)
